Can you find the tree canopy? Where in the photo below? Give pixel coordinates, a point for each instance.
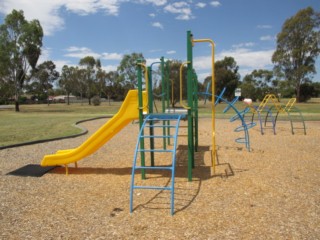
(297, 48)
(127, 70)
(20, 47)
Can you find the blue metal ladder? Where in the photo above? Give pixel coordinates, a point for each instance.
(156, 121)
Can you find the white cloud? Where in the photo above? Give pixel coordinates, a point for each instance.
(149, 61)
(60, 63)
(241, 45)
(267, 38)
(264, 26)
(45, 56)
(157, 25)
(85, 7)
(201, 5)
(182, 9)
(152, 15)
(171, 52)
(80, 52)
(215, 3)
(155, 2)
(48, 12)
(155, 50)
(109, 68)
(247, 60)
(111, 56)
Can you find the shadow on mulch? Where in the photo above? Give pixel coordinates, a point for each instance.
(31, 170)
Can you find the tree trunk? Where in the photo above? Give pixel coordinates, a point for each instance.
(298, 94)
(17, 106)
(68, 98)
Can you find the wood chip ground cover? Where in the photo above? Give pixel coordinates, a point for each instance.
(271, 192)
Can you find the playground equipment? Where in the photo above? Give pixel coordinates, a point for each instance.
(269, 114)
(128, 112)
(138, 104)
(149, 122)
(166, 119)
(245, 126)
(240, 115)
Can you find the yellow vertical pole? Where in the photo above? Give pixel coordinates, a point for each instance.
(212, 103)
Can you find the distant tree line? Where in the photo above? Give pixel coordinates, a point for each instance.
(20, 48)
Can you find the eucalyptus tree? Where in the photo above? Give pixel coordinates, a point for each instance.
(258, 83)
(44, 76)
(68, 80)
(100, 77)
(226, 75)
(88, 63)
(174, 82)
(298, 48)
(128, 70)
(20, 47)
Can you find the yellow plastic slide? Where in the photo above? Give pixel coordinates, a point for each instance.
(129, 111)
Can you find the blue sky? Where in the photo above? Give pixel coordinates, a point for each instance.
(108, 29)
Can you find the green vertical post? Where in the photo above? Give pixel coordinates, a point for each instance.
(190, 104)
(167, 93)
(163, 89)
(140, 101)
(196, 115)
(150, 106)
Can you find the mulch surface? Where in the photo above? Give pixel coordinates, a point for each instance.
(271, 192)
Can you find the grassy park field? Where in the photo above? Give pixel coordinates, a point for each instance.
(42, 121)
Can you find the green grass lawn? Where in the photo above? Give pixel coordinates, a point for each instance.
(40, 121)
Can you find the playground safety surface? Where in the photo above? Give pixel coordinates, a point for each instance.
(271, 192)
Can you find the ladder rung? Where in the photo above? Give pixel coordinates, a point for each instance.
(158, 126)
(165, 116)
(154, 150)
(153, 168)
(162, 136)
(152, 187)
(241, 140)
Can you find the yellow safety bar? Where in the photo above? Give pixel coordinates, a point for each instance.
(290, 104)
(181, 102)
(147, 80)
(252, 109)
(213, 99)
(274, 100)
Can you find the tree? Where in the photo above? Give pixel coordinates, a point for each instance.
(306, 91)
(128, 70)
(257, 84)
(174, 81)
(112, 88)
(298, 47)
(316, 86)
(67, 80)
(43, 79)
(20, 47)
(101, 77)
(89, 63)
(226, 76)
